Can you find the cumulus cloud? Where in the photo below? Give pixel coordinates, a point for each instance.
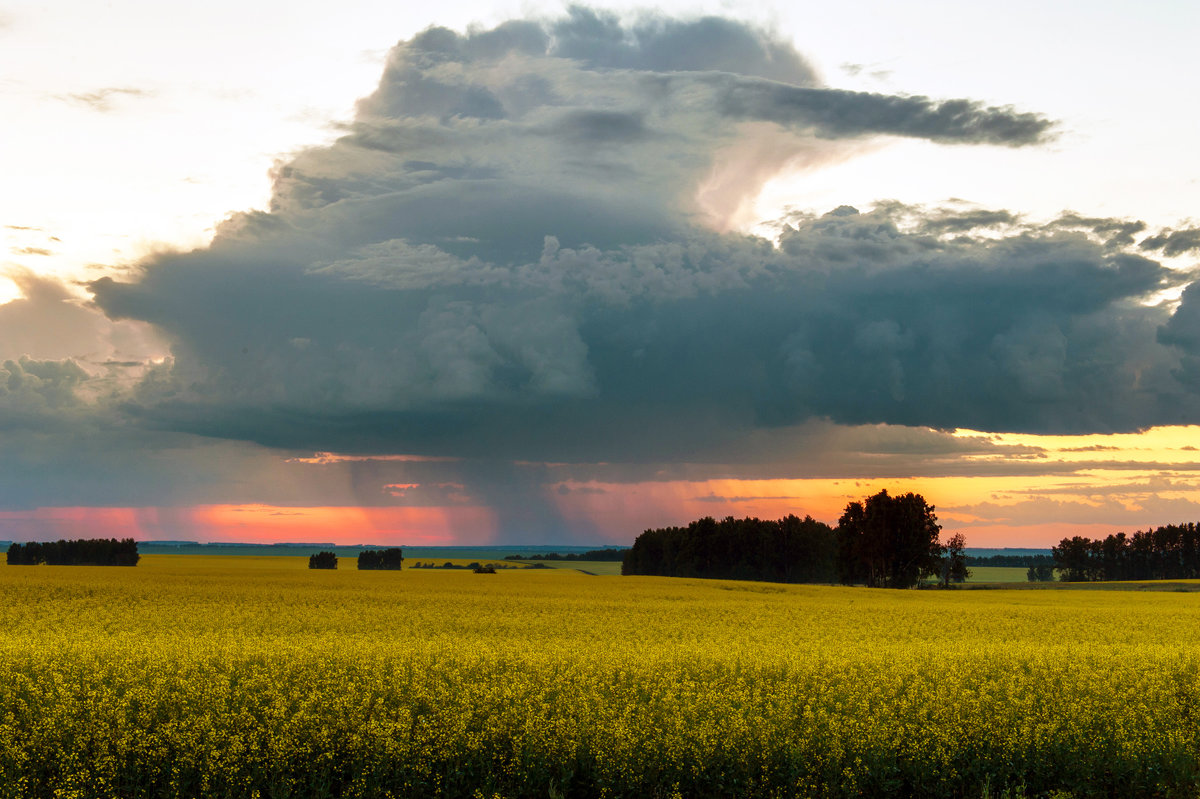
(503, 256)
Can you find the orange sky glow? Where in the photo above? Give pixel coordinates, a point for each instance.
(1124, 482)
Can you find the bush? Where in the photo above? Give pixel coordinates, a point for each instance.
(323, 560)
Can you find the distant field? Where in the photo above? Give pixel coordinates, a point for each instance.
(223, 677)
(997, 574)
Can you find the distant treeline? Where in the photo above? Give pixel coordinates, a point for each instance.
(476, 566)
(380, 558)
(1165, 553)
(1011, 561)
(79, 552)
(593, 554)
(790, 550)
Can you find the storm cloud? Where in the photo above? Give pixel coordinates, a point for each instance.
(504, 256)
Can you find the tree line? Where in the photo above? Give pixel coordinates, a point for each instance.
(790, 550)
(608, 554)
(1171, 552)
(884, 541)
(1010, 561)
(77, 552)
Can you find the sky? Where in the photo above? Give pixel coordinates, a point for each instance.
(538, 273)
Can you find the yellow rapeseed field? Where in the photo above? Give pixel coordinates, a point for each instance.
(255, 677)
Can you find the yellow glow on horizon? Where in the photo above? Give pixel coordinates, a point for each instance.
(1158, 445)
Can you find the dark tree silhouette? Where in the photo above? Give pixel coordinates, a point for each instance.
(1164, 553)
(79, 552)
(790, 550)
(1075, 559)
(1040, 573)
(954, 561)
(323, 560)
(382, 559)
(888, 542)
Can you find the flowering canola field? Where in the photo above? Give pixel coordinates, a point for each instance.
(255, 677)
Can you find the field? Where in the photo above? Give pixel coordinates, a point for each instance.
(190, 676)
(998, 574)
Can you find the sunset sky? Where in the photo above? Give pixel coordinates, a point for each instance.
(471, 273)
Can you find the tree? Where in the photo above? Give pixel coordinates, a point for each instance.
(888, 542)
(954, 562)
(1076, 559)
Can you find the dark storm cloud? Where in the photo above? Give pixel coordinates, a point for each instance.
(1174, 242)
(1115, 232)
(838, 114)
(656, 44)
(504, 258)
(953, 221)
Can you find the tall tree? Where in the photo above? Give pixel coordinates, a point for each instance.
(888, 542)
(954, 562)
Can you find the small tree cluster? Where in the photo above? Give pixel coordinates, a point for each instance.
(79, 552)
(323, 560)
(370, 559)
